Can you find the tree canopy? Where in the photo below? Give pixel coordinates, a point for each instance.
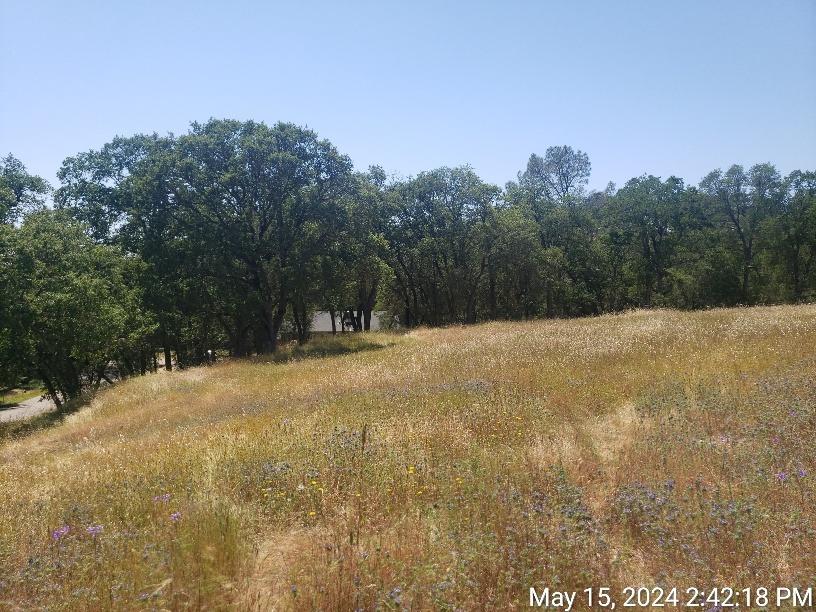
(231, 236)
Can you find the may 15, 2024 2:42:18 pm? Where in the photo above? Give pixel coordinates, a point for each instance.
(656, 597)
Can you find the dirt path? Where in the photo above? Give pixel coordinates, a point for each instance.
(26, 409)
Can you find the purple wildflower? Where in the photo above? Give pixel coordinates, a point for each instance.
(58, 533)
(781, 476)
(175, 517)
(164, 497)
(801, 473)
(776, 440)
(95, 530)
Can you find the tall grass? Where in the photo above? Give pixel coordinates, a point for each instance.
(440, 469)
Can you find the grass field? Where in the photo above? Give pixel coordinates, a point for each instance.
(441, 469)
(13, 397)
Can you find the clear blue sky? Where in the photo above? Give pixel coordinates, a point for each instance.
(643, 87)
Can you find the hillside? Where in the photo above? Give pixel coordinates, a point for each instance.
(449, 468)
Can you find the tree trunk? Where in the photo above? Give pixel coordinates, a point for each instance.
(747, 262)
(492, 301)
(368, 305)
(168, 356)
(257, 340)
(273, 307)
(797, 278)
(746, 275)
(239, 342)
(300, 324)
(277, 321)
(181, 356)
(49, 386)
(550, 309)
(407, 321)
(333, 321)
(271, 321)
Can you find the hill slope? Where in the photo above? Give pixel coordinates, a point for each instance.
(450, 468)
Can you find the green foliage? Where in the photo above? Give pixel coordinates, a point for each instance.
(439, 236)
(71, 310)
(790, 243)
(645, 214)
(20, 191)
(234, 234)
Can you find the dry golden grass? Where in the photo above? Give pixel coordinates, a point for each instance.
(440, 469)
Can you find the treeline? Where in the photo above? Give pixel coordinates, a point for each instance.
(235, 233)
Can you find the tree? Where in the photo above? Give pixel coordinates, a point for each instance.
(263, 200)
(20, 192)
(11, 367)
(237, 232)
(518, 265)
(123, 193)
(557, 178)
(73, 312)
(646, 213)
(367, 246)
(437, 237)
(232, 219)
(792, 232)
(743, 200)
(550, 191)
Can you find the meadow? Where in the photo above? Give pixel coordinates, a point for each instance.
(448, 469)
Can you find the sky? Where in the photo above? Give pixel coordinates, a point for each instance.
(643, 87)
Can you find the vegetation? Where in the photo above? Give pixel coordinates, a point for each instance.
(230, 237)
(76, 306)
(10, 397)
(440, 469)
(447, 467)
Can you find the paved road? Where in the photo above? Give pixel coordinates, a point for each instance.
(26, 409)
